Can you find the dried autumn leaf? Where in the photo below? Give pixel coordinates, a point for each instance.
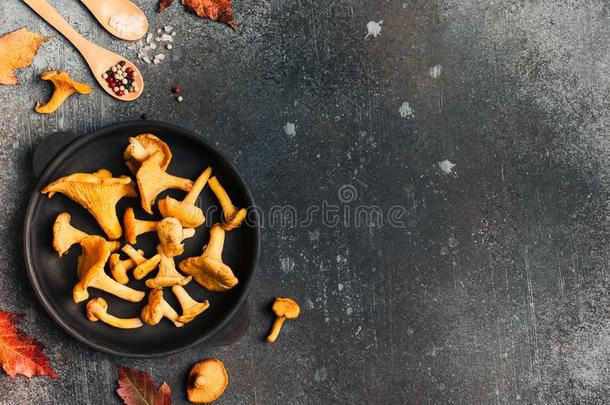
(19, 353)
(138, 388)
(216, 10)
(17, 50)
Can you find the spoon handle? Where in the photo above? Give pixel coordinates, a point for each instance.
(51, 16)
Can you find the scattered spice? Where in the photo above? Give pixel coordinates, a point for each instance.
(17, 50)
(179, 98)
(121, 79)
(176, 90)
(151, 42)
(128, 24)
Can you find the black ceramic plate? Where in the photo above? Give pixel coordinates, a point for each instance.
(53, 278)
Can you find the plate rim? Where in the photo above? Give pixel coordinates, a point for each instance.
(76, 143)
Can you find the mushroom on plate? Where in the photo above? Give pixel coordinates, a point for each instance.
(171, 234)
(119, 268)
(135, 227)
(167, 275)
(189, 215)
(91, 273)
(233, 217)
(157, 308)
(97, 193)
(65, 235)
(143, 265)
(208, 270)
(153, 179)
(97, 311)
(190, 308)
(207, 381)
(284, 308)
(142, 147)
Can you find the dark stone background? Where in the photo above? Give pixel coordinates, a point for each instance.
(493, 290)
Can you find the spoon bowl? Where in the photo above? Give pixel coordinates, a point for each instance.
(103, 11)
(98, 58)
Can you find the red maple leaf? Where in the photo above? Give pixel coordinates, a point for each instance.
(19, 353)
(216, 10)
(138, 388)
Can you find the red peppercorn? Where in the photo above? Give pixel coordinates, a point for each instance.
(129, 70)
(176, 90)
(120, 94)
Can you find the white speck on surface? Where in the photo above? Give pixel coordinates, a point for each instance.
(373, 28)
(146, 59)
(452, 242)
(349, 311)
(309, 304)
(166, 38)
(446, 166)
(340, 287)
(286, 264)
(290, 129)
(314, 235)
(321, 374)
(358, 330)
(149, 38)
(168, 28)
(405, 110)
(435, 71)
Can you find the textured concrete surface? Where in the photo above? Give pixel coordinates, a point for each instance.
(490, 287)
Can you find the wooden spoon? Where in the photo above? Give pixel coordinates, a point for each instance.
(104, 10)
(98, 58)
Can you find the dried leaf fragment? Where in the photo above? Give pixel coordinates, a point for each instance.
(17, 50)
(138, 388)
(215, 10)
(19, 353)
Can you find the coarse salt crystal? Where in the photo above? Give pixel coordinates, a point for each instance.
(146, 59)
(166, 37)
(149, 38)
(128, 24)
(153, 46)
(160, 56)
(168, 28)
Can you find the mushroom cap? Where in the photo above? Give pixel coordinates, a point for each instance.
(207, 381)
(142, 147)
(189, 215)
(62, 80)
(95, 305)
(286, 307)
(170, 235)
(152, 313)
(98, 193)
(64, 234)
(211, 274)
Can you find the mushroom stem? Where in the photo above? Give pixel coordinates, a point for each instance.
(198, 186)
(123, 323)
(200, 381)
(119, 268)
(228, 208)
(105, 283)
(135, 227)
(135, 255)
(143, 269)
(216, 243)
(275, 329)
(167, 275)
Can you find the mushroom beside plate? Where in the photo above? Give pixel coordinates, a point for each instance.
(53, 278)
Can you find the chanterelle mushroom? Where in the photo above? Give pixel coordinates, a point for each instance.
(171, 234)
(64, 88)
(284, 308)
(143, 265)
(65, 235)
(189, 215)
(96, 311)
(207, 381)
(135, 227)
(190, 308)
(208, 269)
(119, 268)
(153, 180)
(167, 275)
(157, 308)
(91, 273)
(233, 216)
(141, 148)
(98, 194)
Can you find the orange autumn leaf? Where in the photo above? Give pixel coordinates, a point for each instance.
(17, 50)
(138, 388)
(216, 10)
(19, 353)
